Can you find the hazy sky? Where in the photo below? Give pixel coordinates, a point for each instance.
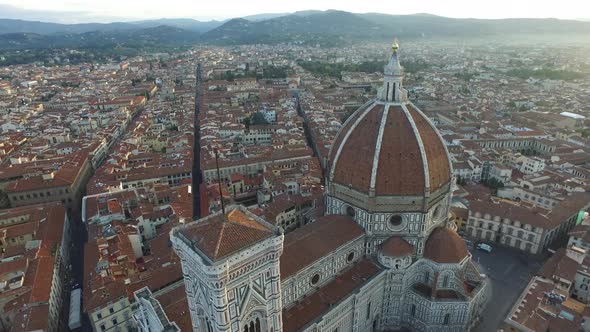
(108, 10)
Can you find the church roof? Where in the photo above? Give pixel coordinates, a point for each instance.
(306, 245)
(222, 235)
(445, 246)
(397, 246)
(392, 149)
(318, 303)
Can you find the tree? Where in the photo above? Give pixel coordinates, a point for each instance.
(247, 123)
(494, 184)
(229, 76)
(258, 119)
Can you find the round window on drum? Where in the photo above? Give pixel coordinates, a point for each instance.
(395, 220)
(350, 211)
(315, 279)
(350, 257)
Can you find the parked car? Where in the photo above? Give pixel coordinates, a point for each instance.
(485, 247)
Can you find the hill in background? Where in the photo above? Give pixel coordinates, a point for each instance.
(327, 28)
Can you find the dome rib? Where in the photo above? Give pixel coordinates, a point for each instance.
(358, 150)
(422, 150)
(439, 164)
(344, 129)
(378, 151)
(351, 126)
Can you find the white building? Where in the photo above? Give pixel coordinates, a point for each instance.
(500, 173)
(529, 229)
(532, 165)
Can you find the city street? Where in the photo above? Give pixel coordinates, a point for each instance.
(508, 272)
(77, 257)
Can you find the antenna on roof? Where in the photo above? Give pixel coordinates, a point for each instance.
(219, 181)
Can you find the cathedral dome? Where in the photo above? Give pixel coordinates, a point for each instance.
(445, 246)
(388, 148)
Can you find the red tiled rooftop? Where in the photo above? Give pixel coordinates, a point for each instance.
(175, 306)
(318, 303)
(306, 245)
(560, 265)
(222, 235)
(436, 155)
(396, 246)
(12, 266)
(33, 318)
(445, 246)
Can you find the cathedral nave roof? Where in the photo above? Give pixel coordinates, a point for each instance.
(314, 241)
(318, 303)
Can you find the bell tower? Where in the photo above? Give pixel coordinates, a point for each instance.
(231, 268)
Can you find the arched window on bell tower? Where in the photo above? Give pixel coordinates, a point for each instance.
(253, 326)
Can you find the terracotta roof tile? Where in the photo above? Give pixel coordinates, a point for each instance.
(355, 161)
(306, 245)
(318, 303)
(399, 171)
(399, 168)
(560, 265)
(175, 306)
(436, 155)
(445, 246)
(220, 236)
(345, 127)
(396, 246)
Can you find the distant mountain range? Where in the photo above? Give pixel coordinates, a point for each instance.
(45, 28)
(323, 27)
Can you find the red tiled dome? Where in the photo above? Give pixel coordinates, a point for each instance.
(396, 246)
(445, 246)
(391, 149)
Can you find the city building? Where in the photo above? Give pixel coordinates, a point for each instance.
(522, 226)
(35, 244)
(66, 184)
(549, 301)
